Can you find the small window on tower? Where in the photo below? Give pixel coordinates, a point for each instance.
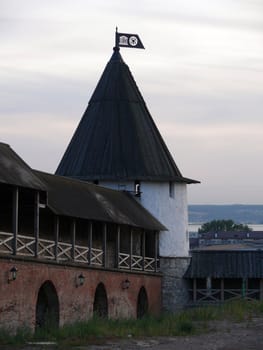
(171, 189)
(137, 188)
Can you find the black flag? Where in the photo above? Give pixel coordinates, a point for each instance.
(128, 40)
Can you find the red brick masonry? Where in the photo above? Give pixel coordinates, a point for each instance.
(18, 298)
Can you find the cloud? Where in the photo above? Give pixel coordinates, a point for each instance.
(224, 158)
(37, 138)
(201, 77)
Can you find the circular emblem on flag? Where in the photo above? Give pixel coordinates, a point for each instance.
(133, 41)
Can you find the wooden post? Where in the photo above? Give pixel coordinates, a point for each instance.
(36, 222)
(143, 250)
(104, 243)
(156, 251)
(194, 290)
(90, 242)
(73, 239)
(222, 290)
(118, 246)
(244, 287)
(261, 289)
(15, 218)
(131, 247)
(208, 285)
(56, 234)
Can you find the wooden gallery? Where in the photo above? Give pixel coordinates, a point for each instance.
(107, 234)
(70, 248)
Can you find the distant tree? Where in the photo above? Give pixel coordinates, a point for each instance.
(223, 225)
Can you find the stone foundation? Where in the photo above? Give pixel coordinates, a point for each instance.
(175, 294)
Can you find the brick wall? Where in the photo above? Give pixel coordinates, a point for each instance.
(18, 298)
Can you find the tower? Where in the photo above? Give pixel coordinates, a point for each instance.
(118, 145)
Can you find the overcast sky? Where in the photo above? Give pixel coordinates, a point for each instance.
(201, 76)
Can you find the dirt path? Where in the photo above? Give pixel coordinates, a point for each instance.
(221, 336)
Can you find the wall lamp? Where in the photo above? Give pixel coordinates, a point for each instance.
(12, 274)
(125, 284)
(80, 280)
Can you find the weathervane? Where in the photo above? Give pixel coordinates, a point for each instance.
(128, 40)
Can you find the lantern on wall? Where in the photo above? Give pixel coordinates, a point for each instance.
(12, 274)
(125, 284)
(80, 280)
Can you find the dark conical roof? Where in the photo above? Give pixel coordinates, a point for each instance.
(117, 138)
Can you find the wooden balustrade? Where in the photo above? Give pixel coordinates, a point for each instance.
(46, 249)
(96, 257)
(6, 240)
(124, 261)
(138, 262)
(149, 264)
(81, 254)
(62, 252)
(203, 295)
(25, 245)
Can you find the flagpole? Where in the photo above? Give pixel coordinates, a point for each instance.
(116, 41)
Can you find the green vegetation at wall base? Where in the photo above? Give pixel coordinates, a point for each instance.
(189, 322)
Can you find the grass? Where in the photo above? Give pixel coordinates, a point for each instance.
(188, 322)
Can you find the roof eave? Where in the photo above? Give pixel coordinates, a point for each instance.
(100, 177)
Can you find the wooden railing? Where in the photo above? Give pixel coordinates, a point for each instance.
(81, 254)
(25, 245)
(137, 263)
(62, 251)
(219, 295)
(149, 264)
(96, 257)
(48, 249)
(6, 240)
(248, 294)
(124, 261)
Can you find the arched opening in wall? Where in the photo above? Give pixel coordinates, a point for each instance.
(142, 303)
(47, 308)
(100, 305)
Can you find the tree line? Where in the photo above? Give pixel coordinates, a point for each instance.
(223, 225)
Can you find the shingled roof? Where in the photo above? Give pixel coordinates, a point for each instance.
(117, 138)
(14, 171)
(79, 199)
(242, 263)
(74, 198)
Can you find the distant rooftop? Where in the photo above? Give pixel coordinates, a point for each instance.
(226, 264)
(225, 235)
(244, 245)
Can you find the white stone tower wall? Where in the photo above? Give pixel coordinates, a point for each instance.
(170, 211)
